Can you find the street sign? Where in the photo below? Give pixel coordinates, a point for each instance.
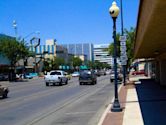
(124, 63)
(122, 58)
(123, 43)
(123, 53)
(122, 38)
(123, 48)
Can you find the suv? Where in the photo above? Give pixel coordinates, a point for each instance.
(3, 91)
(112, 76)
(87, 76)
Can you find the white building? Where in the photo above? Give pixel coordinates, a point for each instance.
(101, 54)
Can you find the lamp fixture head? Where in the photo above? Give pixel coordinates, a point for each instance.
(114, 10)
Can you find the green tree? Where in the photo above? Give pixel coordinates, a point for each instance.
(111, 46)
(57, 62)
(130, 44)
(14, 50)
(76, 61)
(90, 64)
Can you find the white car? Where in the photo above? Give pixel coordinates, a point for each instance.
(75, 74)
(56, 77)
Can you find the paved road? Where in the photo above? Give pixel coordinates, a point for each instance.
(32, 103)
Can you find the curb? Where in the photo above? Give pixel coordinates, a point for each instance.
(108, 108)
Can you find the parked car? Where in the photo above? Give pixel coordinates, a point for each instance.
(56, 77)
(112, 76)
(28, 76)
(87, 76)
(141, 72)
(4, 77)
(75, 74)
(4, 91)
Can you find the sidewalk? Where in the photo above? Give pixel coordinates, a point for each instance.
(143, 103)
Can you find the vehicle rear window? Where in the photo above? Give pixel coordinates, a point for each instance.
(55, 73)
(86, 72)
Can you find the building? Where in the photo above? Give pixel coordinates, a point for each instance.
(48, 51)
(101, 54)
(81, 49)
(150, 37)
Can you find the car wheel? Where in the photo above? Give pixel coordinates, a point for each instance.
(111, 80)
(66, 81)
(95, 82)
(47, 84)
(60, 83)
(5, 95)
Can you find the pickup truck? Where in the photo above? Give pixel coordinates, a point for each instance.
(56, 77)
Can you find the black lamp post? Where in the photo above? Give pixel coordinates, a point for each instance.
(114, 12)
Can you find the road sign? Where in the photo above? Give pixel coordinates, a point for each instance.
(124, 63)
(123, 48)
(122, 38)
(123, 53)
(122, 58)
(123, 43)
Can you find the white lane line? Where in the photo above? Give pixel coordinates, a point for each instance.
(77, 113)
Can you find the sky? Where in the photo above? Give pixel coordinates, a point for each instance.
(67, 21)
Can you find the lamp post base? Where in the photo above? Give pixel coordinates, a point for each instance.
(116, 106)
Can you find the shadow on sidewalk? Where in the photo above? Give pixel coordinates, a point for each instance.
(152, 100)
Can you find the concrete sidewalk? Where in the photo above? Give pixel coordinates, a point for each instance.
(143, 102)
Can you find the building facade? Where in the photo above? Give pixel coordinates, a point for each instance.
(101, 55)
(81, 49)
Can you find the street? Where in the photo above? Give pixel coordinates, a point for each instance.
(32, 103)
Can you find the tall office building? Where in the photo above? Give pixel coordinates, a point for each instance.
(80, 49)
(101, 55)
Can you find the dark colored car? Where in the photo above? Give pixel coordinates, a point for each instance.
(102, 72)
(4, 91)
(4, 77)
(97, 72)
(88, 77)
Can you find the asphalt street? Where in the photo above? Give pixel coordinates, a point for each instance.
(32, 103)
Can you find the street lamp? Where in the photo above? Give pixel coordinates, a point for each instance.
(114, 12)
(15, 27)
(35, 32)
(36, 43)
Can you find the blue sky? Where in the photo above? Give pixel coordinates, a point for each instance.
(68, 21)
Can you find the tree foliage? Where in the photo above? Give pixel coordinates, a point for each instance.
(12, 49)
(111, 46)
(57, 62)
(76, 61)
(97, 65)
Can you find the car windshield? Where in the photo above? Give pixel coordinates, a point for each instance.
(55, 73)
